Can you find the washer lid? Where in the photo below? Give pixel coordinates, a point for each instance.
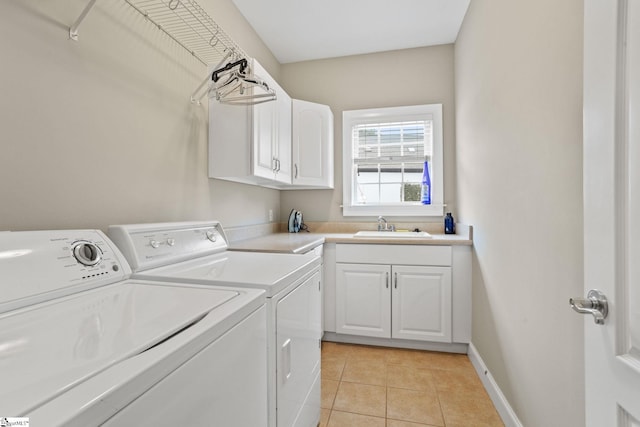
(268, 271)
(48, 348)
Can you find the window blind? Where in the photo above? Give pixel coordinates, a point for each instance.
(384, 143)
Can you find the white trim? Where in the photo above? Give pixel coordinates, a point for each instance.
(355, 117)
(509, 417)
(389, 210)
(455, 347)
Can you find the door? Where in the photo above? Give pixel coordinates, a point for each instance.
(421, 303)
(265, 124)
(612, 209)
(264, 128)
(312, 144)
(363, 300)
(298, 358)
(283, 137)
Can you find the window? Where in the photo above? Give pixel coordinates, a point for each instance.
(384, 151)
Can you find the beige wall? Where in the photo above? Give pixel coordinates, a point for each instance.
(387, 79)
(518, 68)
(101, 131)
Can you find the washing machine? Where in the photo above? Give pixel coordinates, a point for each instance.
(197, 252)
(83, 344)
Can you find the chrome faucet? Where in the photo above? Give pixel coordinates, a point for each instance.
(385, 226)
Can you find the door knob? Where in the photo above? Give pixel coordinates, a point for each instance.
(595, 304)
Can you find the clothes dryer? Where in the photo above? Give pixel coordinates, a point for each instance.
(196, 252)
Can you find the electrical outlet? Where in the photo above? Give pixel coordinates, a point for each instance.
(270, 214)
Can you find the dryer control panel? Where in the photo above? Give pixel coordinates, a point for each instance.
(36, 266)
(148, 246)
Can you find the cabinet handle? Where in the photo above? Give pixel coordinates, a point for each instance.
(274, 164)
(278, 160)
(387, 274)
(296, 167)
(396, 280)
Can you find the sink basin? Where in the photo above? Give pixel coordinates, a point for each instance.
(394, 234)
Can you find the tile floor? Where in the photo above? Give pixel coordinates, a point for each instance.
(387, 387)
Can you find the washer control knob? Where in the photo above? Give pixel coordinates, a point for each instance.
(87, 253)
(154, 243)
(171, 241)
(211, 236)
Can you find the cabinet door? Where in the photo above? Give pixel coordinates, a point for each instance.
(363, 300)
(264, 122)
(421, 303)
(283, 139)
(298, 333)
(312, 144)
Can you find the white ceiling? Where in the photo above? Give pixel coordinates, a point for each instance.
(300, 30)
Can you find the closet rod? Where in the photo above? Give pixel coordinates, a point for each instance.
(196, 97)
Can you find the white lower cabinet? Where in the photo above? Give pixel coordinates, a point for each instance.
(402, 292)
(394, 301)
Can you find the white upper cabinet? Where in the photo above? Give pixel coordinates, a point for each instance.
(252, 143)
(312, 134)
(285, 144)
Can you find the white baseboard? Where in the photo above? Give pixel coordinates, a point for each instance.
(509, 417)
(396, 343)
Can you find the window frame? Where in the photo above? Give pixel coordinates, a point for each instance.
(351, 118)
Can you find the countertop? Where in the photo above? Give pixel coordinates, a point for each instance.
(303, 242)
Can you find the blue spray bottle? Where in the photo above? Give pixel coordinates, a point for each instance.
(425, 194)
(449, 224)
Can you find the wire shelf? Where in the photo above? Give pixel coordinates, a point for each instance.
(189, 25)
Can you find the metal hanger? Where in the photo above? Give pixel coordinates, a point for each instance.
(235, 84)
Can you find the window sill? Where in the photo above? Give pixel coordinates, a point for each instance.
(393, 210)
